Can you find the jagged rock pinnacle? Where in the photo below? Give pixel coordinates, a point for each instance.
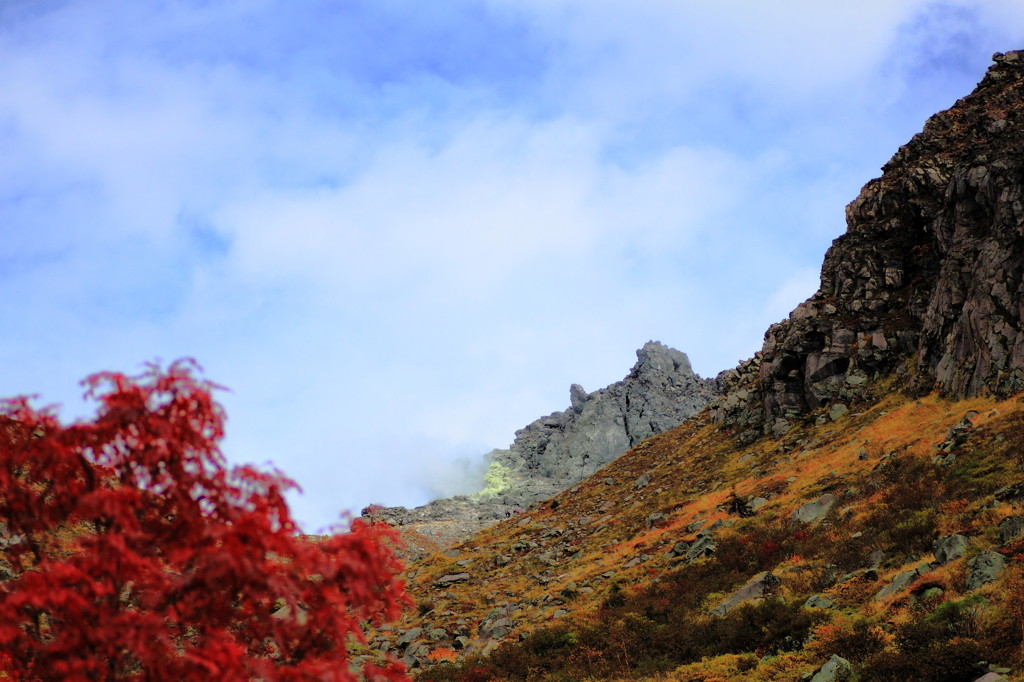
(561, 449)
(558, 450)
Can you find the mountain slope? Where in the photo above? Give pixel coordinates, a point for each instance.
(850, 504)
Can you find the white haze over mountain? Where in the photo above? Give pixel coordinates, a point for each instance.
(398, 231)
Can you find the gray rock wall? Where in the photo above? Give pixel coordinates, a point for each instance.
(928, 280)
(563, 448)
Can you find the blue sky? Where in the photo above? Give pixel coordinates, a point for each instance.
(398, 231)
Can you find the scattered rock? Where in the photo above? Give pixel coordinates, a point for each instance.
(409, 636)
(451, 579)
(642, 482)
(498, 628)
(1011, 528)
(837, 411)
(837, 669)
(1011, 493)
(285, 613)
(704, 546)
(636, 561)
(868, 574)
(655, 519)
(957, 434)
(985, 568)
(679, 549)
(757, 587)
(451, 553)
(712, 528)
(819, 602)
(815, 510)
(902, 580)
(696, 526)
(949, 548)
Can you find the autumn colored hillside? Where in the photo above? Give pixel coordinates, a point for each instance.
(619, 576)
(847, 508)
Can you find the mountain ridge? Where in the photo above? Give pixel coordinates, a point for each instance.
(850, 506)
(558, 450)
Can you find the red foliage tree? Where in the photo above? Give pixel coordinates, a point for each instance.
(131, 552)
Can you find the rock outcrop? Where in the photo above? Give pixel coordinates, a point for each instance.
(559, 450)
(928, 280)
(563, 448)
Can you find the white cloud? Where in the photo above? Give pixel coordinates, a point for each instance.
(796, 288)
(399, 233)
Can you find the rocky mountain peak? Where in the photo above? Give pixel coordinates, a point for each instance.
(561, 449)
(927, 281)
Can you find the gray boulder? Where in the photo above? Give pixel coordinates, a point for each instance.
(499, 628)
(451, 579)
(985, 568)
(704, 546)
(409, 636)
(837, 411)
(656, 518)
(1011, 528)
(817, 601)
(902, 580)
(757, 587)
(815, 510)
(949, 548)
(836, 669)
(679, 549)
(696, 526)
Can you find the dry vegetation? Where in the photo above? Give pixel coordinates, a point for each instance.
(586, 586)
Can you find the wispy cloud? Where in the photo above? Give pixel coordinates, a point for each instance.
(400, 230)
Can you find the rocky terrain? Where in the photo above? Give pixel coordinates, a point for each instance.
(559, 450)
(929, 277)
(849, 504)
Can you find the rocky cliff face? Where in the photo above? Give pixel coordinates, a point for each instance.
(928, 280)
(561, 449)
